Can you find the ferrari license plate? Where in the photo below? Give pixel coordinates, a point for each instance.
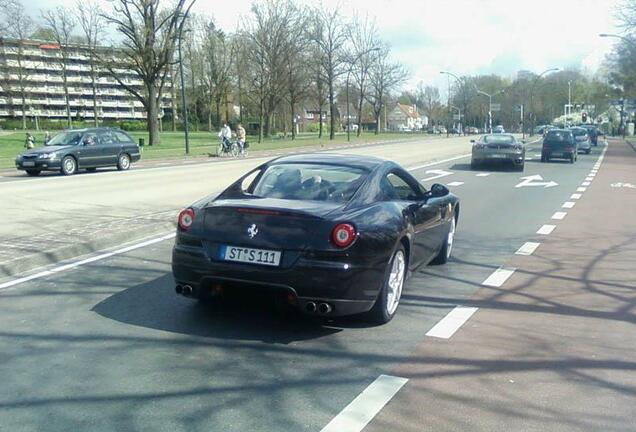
(499, 156)
(249, 255)
(28, 163)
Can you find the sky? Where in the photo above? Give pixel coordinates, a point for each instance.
(463, 36)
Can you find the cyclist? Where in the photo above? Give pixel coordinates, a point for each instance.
(226, 134)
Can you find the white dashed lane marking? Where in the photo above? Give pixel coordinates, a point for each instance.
(576, 196)
(568, 204)
(559, 215)
(483, 174)
(586, 183)
(455, 183)
(528, 248)
(546, 229)
(366, 405)
(448, 325)
(581, 189)
(498, 277)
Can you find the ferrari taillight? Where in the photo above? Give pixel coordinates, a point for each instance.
(186, 218)
(343, 235)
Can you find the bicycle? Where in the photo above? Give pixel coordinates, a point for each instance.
(227, 147)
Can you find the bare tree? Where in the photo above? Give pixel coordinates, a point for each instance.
(149, 37)
(363, 34)
(17, 25)
(330, 35)
(296, 57)
(385, 76)
(62, 24)
(428, 97)
(93, 26)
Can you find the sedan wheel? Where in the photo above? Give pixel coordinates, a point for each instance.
(123, 163)
(69, 166)
(388, 300)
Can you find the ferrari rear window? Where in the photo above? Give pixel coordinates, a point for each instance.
(499, 139)
(311, 182)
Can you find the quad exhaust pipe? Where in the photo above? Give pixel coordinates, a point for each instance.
(321, 308)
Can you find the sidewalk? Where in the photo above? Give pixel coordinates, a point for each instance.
(553, 348)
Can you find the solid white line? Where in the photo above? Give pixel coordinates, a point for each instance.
(498, 277)
(568, 204)
(546, 229)
(559, 215)
(586, 183)
(576, 196)
(581, 189)
(455, 183)
(483, 174)
(366, 405)
(438, 162)
(85, 261)
(448, 325)
(527, 248)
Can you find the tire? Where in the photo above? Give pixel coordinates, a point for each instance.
(445, 252)
(33, 172)
(123, 162)
(474, 165)
(219, 150)
(69, 165)
(588, 151)
(388, 300)
(235, 150)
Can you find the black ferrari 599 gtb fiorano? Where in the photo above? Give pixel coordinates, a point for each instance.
(336, 234)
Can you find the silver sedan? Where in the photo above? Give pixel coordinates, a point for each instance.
(498, 148)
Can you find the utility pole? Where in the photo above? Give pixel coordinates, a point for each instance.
(523, 126)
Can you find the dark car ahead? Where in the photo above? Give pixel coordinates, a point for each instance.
(593, 133)
(332, 234)
(76, 149)
(559, 143)
(498, 147)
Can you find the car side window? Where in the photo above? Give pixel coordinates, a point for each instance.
(401, 188)
(90, 139)
(106, 138)
(122, 137)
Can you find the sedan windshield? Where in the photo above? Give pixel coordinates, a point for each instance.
(579, 132)
(311, 182)
(499, 139)
(65, 138)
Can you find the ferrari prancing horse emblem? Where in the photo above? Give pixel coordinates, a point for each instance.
(252, 231)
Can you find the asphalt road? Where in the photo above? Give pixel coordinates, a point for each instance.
(107, 345)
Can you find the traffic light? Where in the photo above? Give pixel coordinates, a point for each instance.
(584, 117)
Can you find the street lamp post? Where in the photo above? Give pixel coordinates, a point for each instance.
(534, 83)
(459, 81)
(183, 93)
(348, 75)
(489, 96)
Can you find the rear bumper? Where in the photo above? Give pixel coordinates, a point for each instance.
(349, 288)
(494, 155)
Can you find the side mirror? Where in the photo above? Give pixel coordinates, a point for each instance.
(439, 190)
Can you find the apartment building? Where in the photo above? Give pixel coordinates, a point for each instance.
(41, 75)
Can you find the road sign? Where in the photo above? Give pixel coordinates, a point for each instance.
(495, 107)
(456, 117)
(535, 180)
(438, 173)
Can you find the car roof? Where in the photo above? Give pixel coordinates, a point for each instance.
(84, 130)
(354, 161)
(560, 130)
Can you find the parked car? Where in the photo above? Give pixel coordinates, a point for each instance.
(331, 234)
(498, 129)
(559, 143)
(498, 148)
(582, 139)
(76, 149)
(441, 129)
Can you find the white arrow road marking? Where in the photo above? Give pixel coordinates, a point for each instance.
(535, 180)
(438, 174)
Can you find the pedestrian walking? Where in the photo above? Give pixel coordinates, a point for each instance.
(29, 142)
(240, 136)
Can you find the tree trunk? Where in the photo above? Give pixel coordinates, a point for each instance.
(332, 113)
(152, 114)
(94, 85)
(378, 114)
(24, 125)
(261, 119)
(173, 102)
(218, 112)
(210, 119)
(293, 119)
(359, 116)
